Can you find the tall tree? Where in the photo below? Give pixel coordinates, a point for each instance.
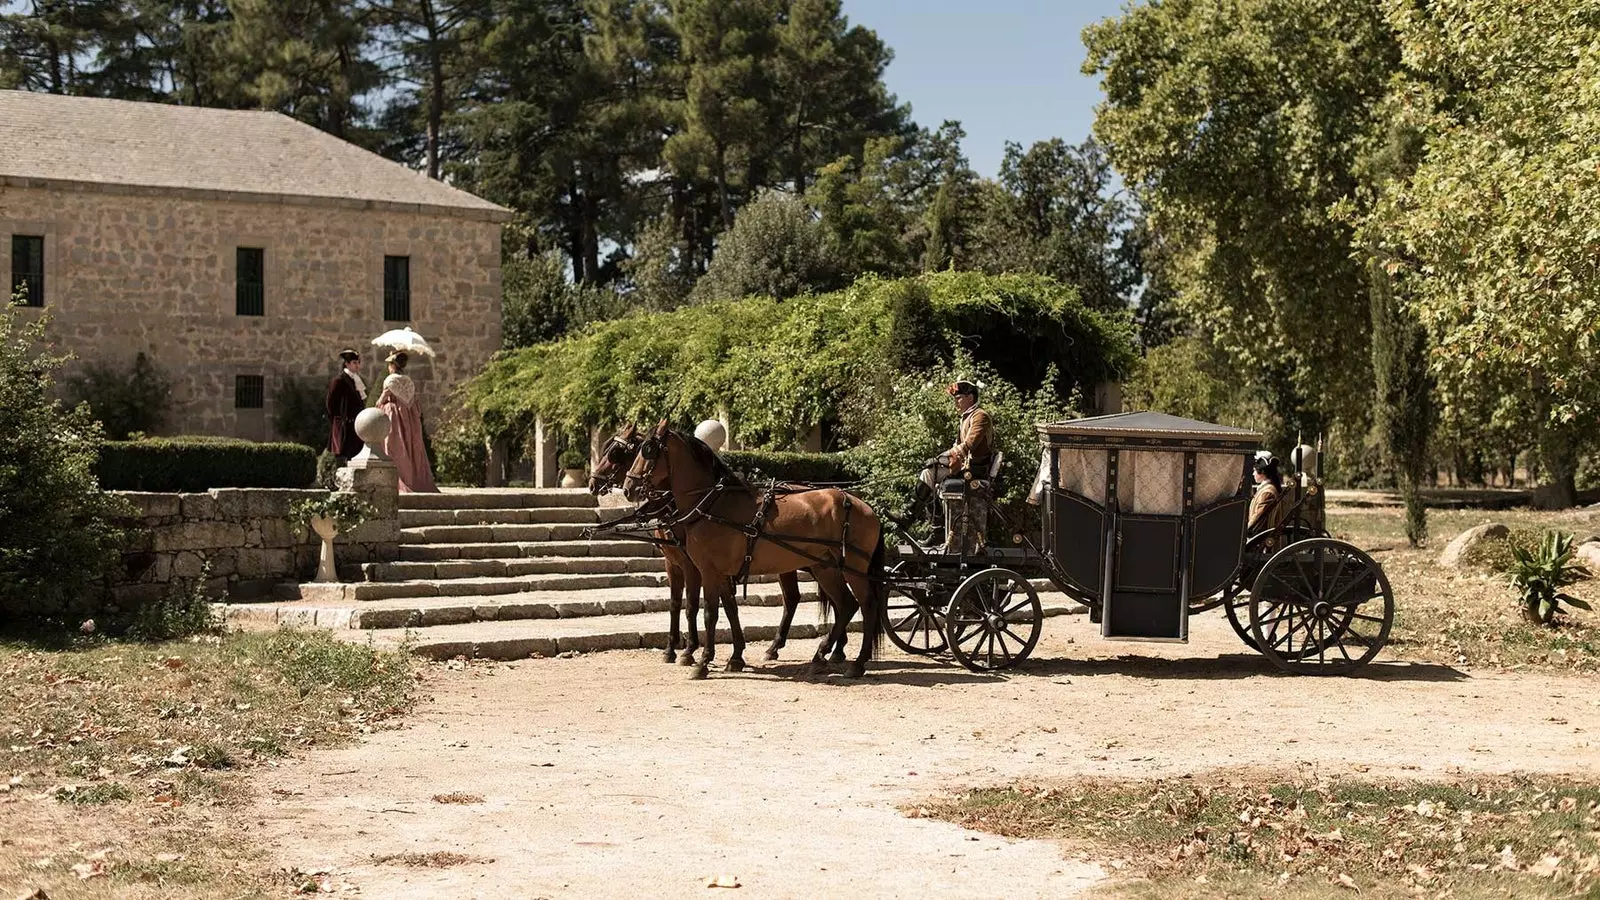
(47, 44)
(310, 59)
(426, 39)
(1238, 124)
(172, 51)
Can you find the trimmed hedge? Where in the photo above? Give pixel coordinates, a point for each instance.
(763, 465)
(192, 465)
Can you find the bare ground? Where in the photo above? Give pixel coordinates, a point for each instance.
(613, 775)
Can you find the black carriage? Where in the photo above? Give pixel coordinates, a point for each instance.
(1144, 521)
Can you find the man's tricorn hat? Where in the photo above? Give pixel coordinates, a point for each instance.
(349, 355)
(962, 387)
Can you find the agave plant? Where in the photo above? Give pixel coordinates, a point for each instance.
(1540, 574)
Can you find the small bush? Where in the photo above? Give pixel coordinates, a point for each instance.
(185, 611)
(124, 399)
(1539, 575)
(461, 454)
(765, 465)
(347, 510)
(327, 469)
(573, 458)
(190, 465)
(94, 794)
(1498, 555)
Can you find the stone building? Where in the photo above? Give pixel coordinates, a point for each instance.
(239, 250)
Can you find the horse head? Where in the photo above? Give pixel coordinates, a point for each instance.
(615, 457)
(651, 471)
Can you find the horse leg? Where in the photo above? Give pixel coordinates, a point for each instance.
(872, 595)
(691, 587)
(675, 585)
(790, 585)
(736, 631)
(833, 589)
(845, 607)
(713, 591)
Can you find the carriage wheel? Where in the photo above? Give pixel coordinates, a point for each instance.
(993, 620)
(915, 624)
(1321, 607)
(1236, 603)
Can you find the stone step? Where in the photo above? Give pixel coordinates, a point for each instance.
(486, 534)
(428, 612)
(529, 549)
(471, 587)
(543, 515)
(500, 498)
(522, 639)
(511, 568)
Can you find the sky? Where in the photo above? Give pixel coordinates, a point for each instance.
(1007, 69)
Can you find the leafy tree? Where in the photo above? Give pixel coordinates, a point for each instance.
(45, 45)
(540, 304)
(173, 51)
(660, 270)
(1188, 377)
(306, 58)
(776, 249)
(1239, 123)
(428, 36)
(57, 529)
(125, 399)
(1493, 237)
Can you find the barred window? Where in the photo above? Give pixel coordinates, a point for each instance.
(27, 268)
(249, 392)
(250, 282)
(397, 288)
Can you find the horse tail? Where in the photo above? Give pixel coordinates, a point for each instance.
(872, 626)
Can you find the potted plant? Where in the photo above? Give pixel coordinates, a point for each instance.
(572, 464)
(328, 516)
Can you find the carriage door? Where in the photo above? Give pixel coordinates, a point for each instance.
(1144, 593)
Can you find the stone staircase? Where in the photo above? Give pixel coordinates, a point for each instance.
(507, 574)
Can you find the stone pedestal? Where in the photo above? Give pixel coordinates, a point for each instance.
(377, 482)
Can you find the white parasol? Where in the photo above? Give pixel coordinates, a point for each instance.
(404, 339)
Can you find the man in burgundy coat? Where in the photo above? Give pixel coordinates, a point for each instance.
(347, 396)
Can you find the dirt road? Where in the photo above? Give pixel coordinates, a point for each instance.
(613, 775)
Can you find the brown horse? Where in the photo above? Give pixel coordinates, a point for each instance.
(683, 579)
(734, 531)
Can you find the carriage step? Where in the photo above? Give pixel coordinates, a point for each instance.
(525, 550)
(499, 498)
(472, 587)
(430, 612)
(540, 515)
(510, 568)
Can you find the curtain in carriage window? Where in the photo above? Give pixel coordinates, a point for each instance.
(1150, 482)
(1082, 472)
(1217, 477)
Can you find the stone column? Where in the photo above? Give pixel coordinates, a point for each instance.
(1107, 398)
(494, 474)
(813, 440)
(727, 427)
(376, 481)
(546, 465)
(597, 440)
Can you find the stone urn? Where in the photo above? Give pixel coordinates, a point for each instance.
(326, 529)
(572, 478)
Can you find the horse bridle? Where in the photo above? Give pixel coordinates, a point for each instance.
(650, 451)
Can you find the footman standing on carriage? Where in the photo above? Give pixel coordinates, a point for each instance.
(970, 460)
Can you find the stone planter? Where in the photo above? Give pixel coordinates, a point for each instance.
(572, 478)
(325, 529)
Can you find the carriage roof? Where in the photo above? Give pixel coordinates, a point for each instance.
(1148, 429)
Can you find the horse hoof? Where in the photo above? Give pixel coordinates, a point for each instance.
(699, 673)
(772, 653)
(686, 658)
(817, 669)
(736, 665)
(856, 670)
(670, 656)
(837, 657)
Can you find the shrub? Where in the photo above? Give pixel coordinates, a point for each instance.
(347, 510)
(193, 465)
(124, 399)
(300, 413)
(461, 454)
(58, 537)
(776, 248)
(184, 612)
(760, 466)
(327, 470)
(540, 304)
(1539, 575)
(572, 458)
(1498, 555)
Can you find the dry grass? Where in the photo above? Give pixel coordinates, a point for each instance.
(458, 798)
(120, 763)
(1257, 837)
(438, 859)
(1469, 617)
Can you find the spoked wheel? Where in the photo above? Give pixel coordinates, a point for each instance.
(1235, 599)
(916, 625)
(993, 620)
(1321, 607)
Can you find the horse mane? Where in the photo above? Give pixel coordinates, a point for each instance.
(707, 458)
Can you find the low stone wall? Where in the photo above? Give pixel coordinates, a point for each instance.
(246, 537)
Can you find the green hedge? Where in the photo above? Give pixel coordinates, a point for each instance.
(197, 464)
(763, 465)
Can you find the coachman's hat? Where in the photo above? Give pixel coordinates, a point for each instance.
(962, 387)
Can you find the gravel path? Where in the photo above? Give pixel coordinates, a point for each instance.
(613, 775)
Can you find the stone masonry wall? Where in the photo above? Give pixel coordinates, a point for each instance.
(130, 270)
(246, 536)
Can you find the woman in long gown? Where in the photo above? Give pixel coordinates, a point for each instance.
(404, 443)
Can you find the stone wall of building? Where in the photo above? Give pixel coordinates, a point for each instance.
(130, 270)
(246, 537)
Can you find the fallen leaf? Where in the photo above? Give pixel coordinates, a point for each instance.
(1508, 860)
(88, 870)
(1546, 867)
(168, 857)
(723, 881)
(1348, 882)
(173, 662)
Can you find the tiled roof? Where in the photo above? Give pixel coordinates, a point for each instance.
(153, 145)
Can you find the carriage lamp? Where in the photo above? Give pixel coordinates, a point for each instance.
(1016, 538)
